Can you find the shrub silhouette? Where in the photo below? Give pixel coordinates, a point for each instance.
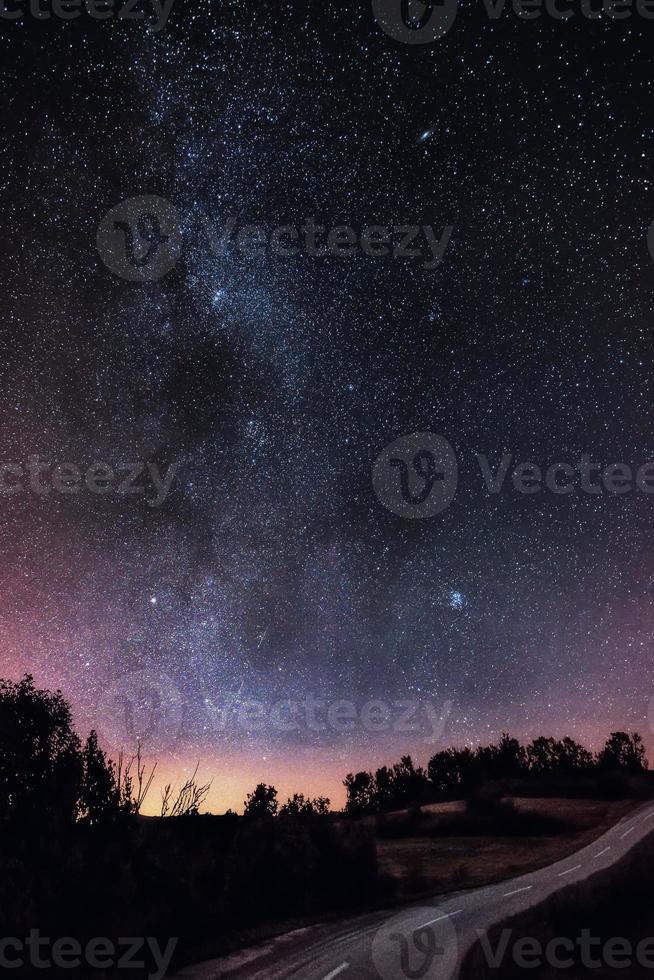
(261, 803)
(623, 752)
(40, 756)
(99, 794)
(299, 806)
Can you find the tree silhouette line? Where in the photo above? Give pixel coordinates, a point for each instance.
(458, 772)
(262, 803)
(48, 773)
(79, 859)
(46, 770)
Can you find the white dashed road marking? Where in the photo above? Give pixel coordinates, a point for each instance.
(518, 891)
(570, 870)
(438, 919)
(336, 972)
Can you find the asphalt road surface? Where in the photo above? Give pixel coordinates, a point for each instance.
(428, 941)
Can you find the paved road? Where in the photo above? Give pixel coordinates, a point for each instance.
(370, 947)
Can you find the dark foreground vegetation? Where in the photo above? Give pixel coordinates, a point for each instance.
(78, 860)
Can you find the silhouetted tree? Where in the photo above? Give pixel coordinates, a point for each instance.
(99, 795)
(361, 793)
(542, 756)
(452, 770)
(40, 755)
(298, 806)
(389, 789)
(262, 802)
(507, 760)
(409, 783)
(320, 805)
(549, 756)
(623, 751)
(573, 757)
(384, 781)
(510, 758)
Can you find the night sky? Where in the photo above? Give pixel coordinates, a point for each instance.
(271, 384)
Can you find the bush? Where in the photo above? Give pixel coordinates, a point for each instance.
(488, 815)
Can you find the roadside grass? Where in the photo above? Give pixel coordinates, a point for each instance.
(444, 847)
(416, 861)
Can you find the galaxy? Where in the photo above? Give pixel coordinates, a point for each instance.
(254, 381)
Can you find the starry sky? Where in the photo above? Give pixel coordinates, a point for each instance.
(272, 571)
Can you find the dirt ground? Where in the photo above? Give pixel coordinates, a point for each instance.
(426, 863)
